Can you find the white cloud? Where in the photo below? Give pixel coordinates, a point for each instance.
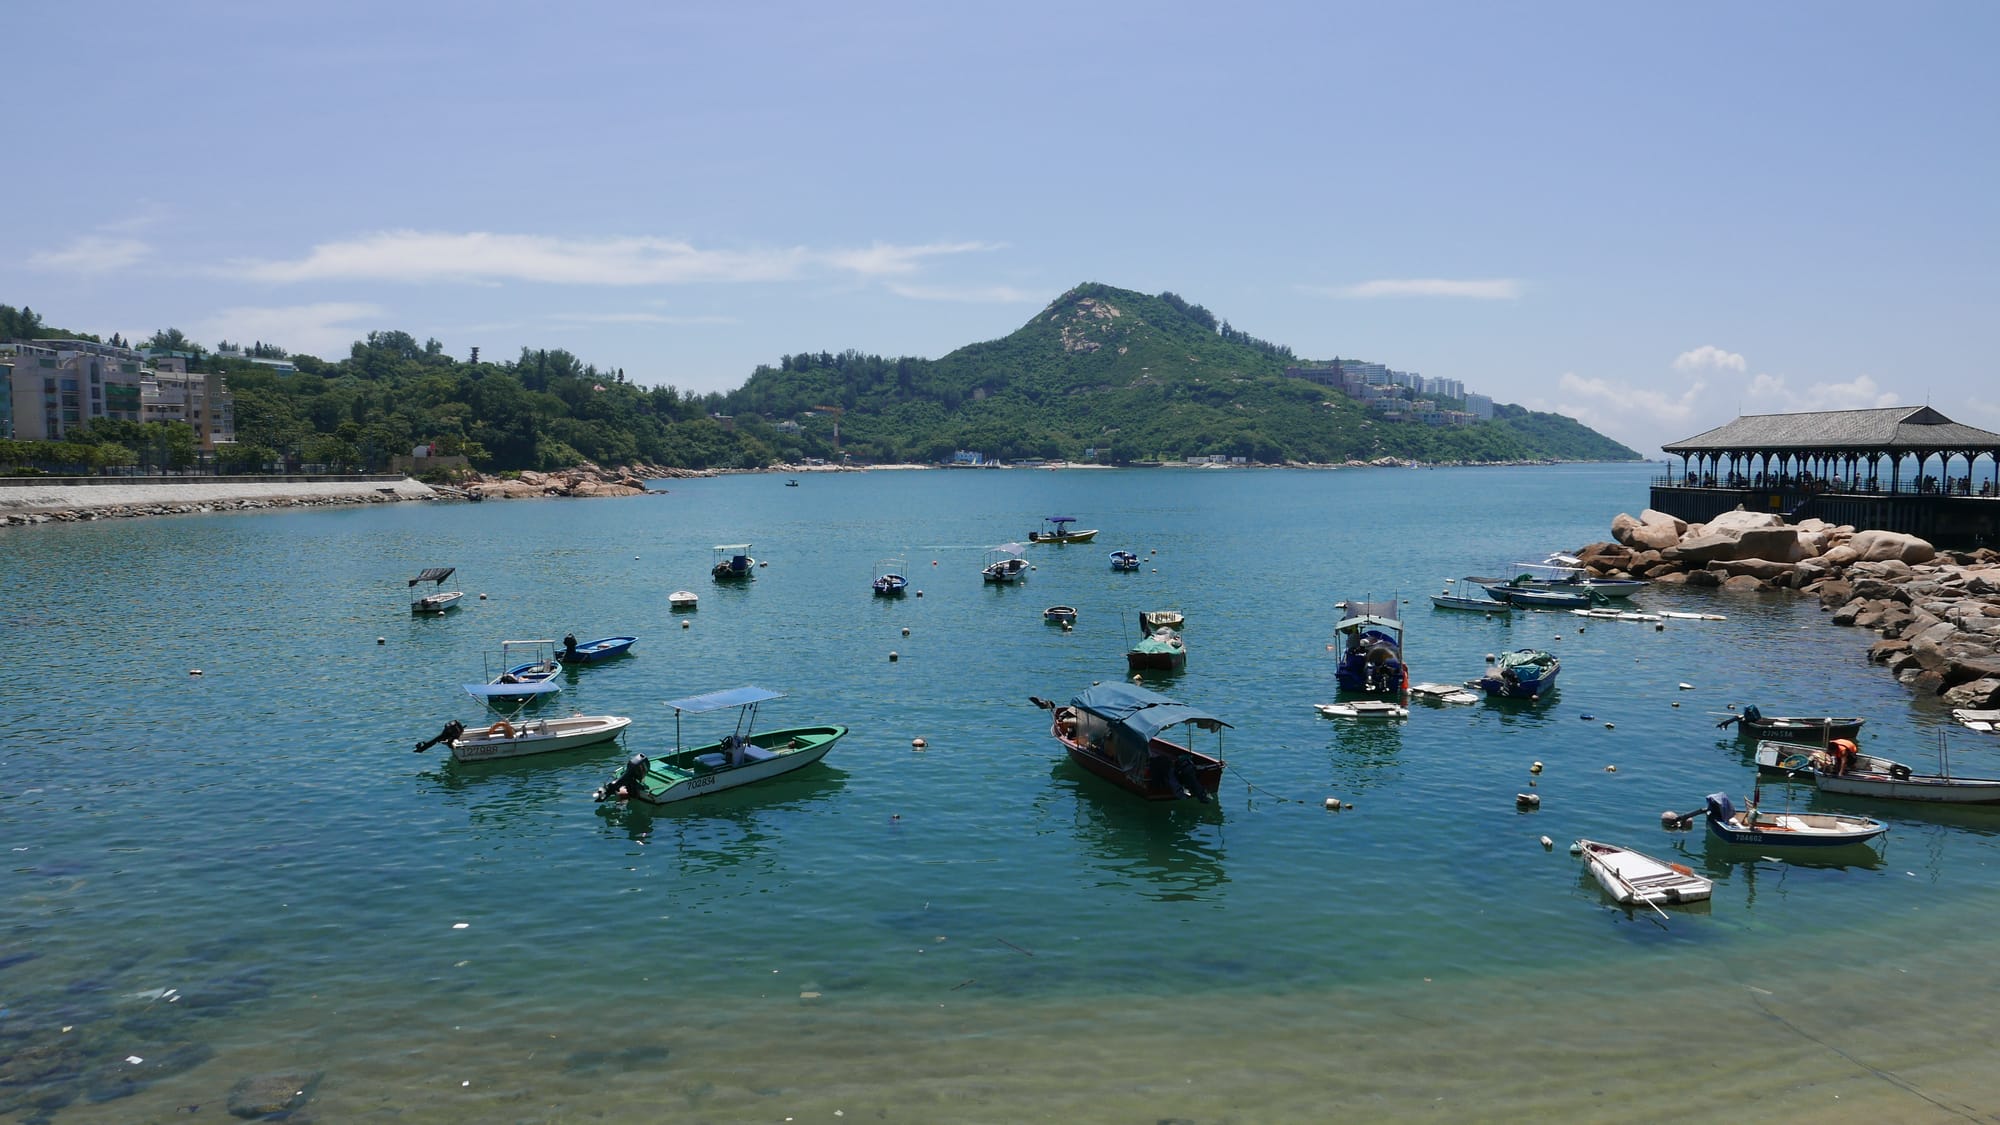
(1489, 289)
(640, 318)
(1708, 357)
(1604, 399)
(92, 254)
(485, 257)
(973, 294)
(326, 330)
(1771, 394)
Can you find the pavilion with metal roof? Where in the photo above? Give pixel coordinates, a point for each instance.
(1897, 468)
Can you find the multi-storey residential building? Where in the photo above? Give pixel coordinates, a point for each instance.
(56, 386)
(170, 393)
(1479, 406)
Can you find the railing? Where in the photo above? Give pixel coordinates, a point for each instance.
(1959, 488)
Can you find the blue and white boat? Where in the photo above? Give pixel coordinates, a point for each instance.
(1371, 649)
(1787, 829)
(1004, 565)
(1124, 560)
(891, 578)
(593, 652)
(1525, 673)
(523, 671)
(1463, 593)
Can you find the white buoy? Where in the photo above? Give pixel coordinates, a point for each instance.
(1576, 849)
(1687, 687)
(892, 656)
(1528, 800)
(1677, 703)
(918, 744)
(1611, 726)
(1536, 768)
(684, 624)
(1610, 769)
(1548, 844)
(920, 593)
(194, 671)
(1333, 804)
(1489, 658)
(380, 641)
(906, 630)
(1136, 677)
(1669, 819)
(482, 597)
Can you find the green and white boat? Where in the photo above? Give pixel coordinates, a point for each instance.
(738, 758)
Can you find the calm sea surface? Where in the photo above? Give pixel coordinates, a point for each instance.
(972, 932)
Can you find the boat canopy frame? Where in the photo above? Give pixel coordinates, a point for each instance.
(435, 574)
(1136, 716)
(746, 697)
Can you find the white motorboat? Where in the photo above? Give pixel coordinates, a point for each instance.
(517, 739)
(440, 601)
(682, 599)
(1443, 693)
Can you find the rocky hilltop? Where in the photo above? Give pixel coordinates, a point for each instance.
(1938, 614)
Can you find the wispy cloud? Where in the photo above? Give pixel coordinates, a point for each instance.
(1773, 394)
(92, 254)
(970, 294)
(327, 329)
(1708, 357)
(640, 318)
(1482, 289)
(484, 257)
(1614, 402)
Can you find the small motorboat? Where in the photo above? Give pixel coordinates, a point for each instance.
(1463, 593)
(733, 563)
(1840, 767)
(440, 601)
(1004, 565)
(742, 757)
(1786, 829)
(604, 648)
(1380, 709)
(508, 739)
(1528, 596)
(1371, 649)
(1058, 531)
(1161, 647)
(1633, 879)
(1064, 615)
(1525, 673)
(1754, 723)
(681, 600)
(1124, 560)
(523, 670)
(890, 578)
(1114, 730)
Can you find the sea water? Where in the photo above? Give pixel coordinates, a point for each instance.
(247, 871)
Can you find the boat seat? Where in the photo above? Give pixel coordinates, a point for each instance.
(754, 753)
(713, 761)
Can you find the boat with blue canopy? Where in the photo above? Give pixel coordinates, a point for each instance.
(1371, 649)
(741, 757)
(1115, 730)
(1059, 532)
(1525, 673)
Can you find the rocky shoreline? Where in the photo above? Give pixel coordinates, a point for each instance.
(1937, 613)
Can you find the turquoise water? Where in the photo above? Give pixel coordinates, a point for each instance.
(973, 931)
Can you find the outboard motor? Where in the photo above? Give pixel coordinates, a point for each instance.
(451, 730)
(1185, 777)
(627, 779)
(569, 645)
(1751, 713)
(1719, 807)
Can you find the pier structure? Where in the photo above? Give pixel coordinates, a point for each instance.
(1894, 468)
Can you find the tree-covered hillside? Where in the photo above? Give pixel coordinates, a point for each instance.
(1132, 376)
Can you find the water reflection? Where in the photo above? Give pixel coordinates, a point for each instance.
(737, 825)
(1169, 851)
(502, 790)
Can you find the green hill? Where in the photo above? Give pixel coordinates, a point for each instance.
(1135, 377)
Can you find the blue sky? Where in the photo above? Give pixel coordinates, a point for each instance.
(1650, 217)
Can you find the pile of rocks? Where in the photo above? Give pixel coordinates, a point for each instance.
(584, 480)
(1938, 614)
(240, 504)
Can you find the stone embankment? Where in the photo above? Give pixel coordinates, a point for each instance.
(1938, 613)
(584, 480)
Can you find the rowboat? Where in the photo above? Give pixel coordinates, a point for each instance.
(733, 563)
(604, 648)
(1753, 723)
(682, 599)
(1986, 722)
(509, 739)
(1378, 709)
(1064, 615)
(1632, 879)
(1786, 829)
(1524, 673)
(1371, 648)
(1059, 532)
(1124, 560)
(1530, 595)
(1615, 615)
(740, 758)
(437, 602)
(1442, 693)
(1115, 730)
(523, 670)
(1840, 768)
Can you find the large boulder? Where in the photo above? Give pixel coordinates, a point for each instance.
(1740, 520)
(1839, 556)
(1976, 694)
(1701, 550)
(1775, 544)
(1878, 546)
(1755, 568)
(1742, 582)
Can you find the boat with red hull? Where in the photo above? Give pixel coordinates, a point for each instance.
(1114, 730)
